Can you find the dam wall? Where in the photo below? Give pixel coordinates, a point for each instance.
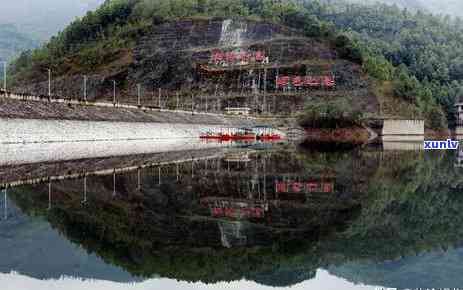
(397, 130)
(459, 132)
(44, 131)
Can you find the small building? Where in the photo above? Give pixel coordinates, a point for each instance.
(459, 110)
(238, 111)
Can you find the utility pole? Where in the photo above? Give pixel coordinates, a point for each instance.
(114, 183)
(85, 189)
(85, 88)
(49, 195)
(114, 92)
(5, 204)
(159, 98)
(4, 76)
(49, 82)
(138, 94)
(177, 101)
(192, 103)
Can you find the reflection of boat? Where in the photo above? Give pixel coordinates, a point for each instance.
(261, 133)
(210, 135)
(239, 135)
(238, 157)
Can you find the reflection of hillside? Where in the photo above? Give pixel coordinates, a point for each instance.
(45, 254)
(434, 269)
(379, 209)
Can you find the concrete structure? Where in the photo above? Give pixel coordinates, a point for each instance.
(399, 130)
(402, 145)
(42, 131)
(245, 111)
(459, 109)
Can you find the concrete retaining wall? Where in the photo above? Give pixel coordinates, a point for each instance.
(402, 146)
(39, 131)
(459, 131)
(394, 129)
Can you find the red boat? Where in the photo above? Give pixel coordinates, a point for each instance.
(228, 137)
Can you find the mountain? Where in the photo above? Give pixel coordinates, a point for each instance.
(12, 42)
(25, 24)
(35, 237)
(412, 62)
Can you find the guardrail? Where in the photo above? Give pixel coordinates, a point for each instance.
(70, 101)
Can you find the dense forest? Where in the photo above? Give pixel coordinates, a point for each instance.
(415, 54)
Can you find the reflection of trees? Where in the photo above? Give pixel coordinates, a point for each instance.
(398, 204)
(412, 205)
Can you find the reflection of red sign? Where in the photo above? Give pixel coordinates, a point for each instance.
(218, 56)
(253, 212)
(297, 82)
(282, 81)
(328, 81)
(312, 81)
(304, 187)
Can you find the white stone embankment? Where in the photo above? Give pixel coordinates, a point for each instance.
(16, 154)
(397, 130)
(43, 131)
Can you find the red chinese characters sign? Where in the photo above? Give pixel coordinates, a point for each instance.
(306, 81)
(304, 187)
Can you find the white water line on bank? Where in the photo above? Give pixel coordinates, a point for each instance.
(16, 154)
(48, 131)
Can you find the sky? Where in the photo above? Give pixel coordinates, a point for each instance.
(43, 18)
(323, 281)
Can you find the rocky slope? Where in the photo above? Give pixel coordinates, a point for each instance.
(174, 60)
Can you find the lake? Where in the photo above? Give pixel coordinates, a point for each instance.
(248, 216)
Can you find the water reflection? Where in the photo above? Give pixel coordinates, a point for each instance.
(274, 216)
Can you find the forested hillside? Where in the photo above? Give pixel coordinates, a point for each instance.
(414, 56)
(427, 47)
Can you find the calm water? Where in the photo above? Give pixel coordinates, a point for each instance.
(256, 217)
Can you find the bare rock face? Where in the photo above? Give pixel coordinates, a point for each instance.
(177, 57)
(168, 56)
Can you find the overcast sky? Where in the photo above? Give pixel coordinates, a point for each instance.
(43, 18)
(323, 281)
